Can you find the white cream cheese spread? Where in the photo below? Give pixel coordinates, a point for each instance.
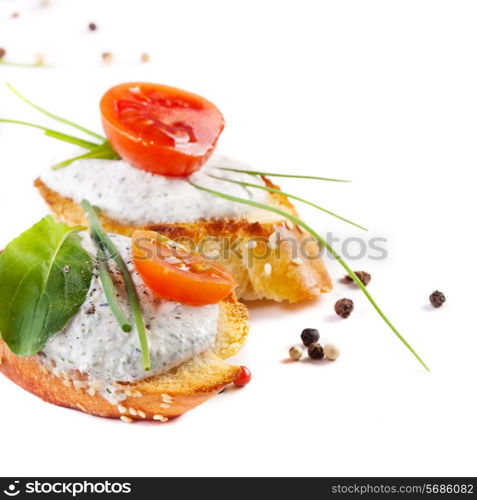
(93, 344)
(136, 197)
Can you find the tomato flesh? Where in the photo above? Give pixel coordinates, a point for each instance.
(160, 129)
(174, 273)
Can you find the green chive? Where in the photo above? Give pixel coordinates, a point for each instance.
(55, 117)
(272, 174)
(279, 191)
(330, 249)
(54, 134)
(100, 234)
(22, 65)
(102, 151)
(110, 290)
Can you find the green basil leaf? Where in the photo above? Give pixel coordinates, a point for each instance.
(45, 275)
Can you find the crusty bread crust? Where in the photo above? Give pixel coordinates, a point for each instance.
(275, 276)
(157, 398)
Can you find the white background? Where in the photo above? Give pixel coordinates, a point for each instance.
(382, 92)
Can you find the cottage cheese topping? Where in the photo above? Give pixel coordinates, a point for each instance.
(135, 197)
(93, 343)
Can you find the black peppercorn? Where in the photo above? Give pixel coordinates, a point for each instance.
(363, 276)
(344, 307)
(309, 335)
(315, 351)
(437, 298)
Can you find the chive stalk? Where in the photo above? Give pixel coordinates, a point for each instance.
(54, 134)
(330, 249)
(55, 117)
(279, 191)
(110, 291)
(22, 65)
(100, 237)
(101, 151)
(273, 174)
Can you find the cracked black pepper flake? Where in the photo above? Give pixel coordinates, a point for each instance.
(344, 307)
(91, 309)
(363, 276)
(437, 298)
(315, 351)
(309, 335)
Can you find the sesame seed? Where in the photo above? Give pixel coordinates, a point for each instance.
(160, 417)
(267, 269)
(91, 391)
(133, 412)
(141, 414)
(289, 225)
(299, 229)
(126, 419)
(166, 396)
(137, 394)
(297, 261)
(164, 405)
(122, 409)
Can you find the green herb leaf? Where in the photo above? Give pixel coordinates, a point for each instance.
(45, 275)
(273, 174)
(326, 245)
(22, 65)
(103, 242)
(279, 191)
(55, 117)
(104, 151)
(55, 134)
(110, 291)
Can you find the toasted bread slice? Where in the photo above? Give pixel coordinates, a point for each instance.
(281, 274)
(157, 398)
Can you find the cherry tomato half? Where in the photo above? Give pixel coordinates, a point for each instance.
(174, 273)
(161, 129)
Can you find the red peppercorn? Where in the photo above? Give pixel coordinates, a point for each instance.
(244, 377)
(437, 298)
(363, 276)
(2, 52)
(344, 307)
